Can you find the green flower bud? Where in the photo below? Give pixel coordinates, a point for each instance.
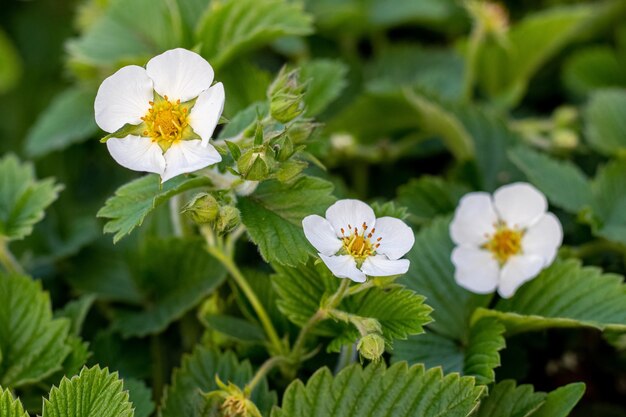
(285, 107)
(371, 347)
(255, 165)
(565, 138)
(565, 116)
(229, 401)
(202, 208)
(227, 219)
(283, 147)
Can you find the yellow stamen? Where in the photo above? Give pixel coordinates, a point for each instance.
(504, 243)
(358, 244)
(166, 121)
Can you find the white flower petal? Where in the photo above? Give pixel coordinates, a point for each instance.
(123, 98)
(396, 238)
(207, 111)
(180, 74)
(343, 266)
(517, 270)
(543, 238)
(188, 156)
(321, 234)
(520, 204)
(346, 214)
(476, 269)
(381, 266)
(137, 153)
(473, 220)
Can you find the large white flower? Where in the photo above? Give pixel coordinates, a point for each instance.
(174, 108)
(353, 243)
(503, 241)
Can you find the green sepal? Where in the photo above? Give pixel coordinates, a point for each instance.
(127, 129)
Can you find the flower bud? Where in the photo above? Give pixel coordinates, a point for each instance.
(285, 107)
(371, 347)
(254, 165)
(565, 138)
(229, 401)
(283, 147)
(565, 116)
(227, 219)
(202, 208)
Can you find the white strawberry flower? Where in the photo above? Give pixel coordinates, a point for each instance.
(353, 243)
(503, 241)
(171, 110)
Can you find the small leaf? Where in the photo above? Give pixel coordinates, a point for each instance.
(325, 80)
(605, 121)
(561, 401)
(10, 407)
(67, 120)
(197, 375)
(23, 198)
(482, 352)
(376, 391)
(132, 202)
(32, 343)
(508, 400)
(234, 149)
(232, 27)
(94, 391)
(172, 276)
(549, 175)
(140, 396)
(273, 216)
(564, 295)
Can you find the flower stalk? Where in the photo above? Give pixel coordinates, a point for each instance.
(8, 261)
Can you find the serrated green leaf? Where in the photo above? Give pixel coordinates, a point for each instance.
(119, 37)
(325, 80)
(593, 68)
(141, 397)
(10, 407)
(377, 391)
(67, 120)
(23, 198)
(561, 401)
(132, 202)
(273, 217)
(504, 73)
(507, 399)
(428, 197)
(32, 343)
(563, 295)
(605, 121)
(172, 276)
(432, 274)
(399, 311)
(609, 190)
(549, 175)
(477, 357)
(232, 27)
(94, 391)
(197, 375)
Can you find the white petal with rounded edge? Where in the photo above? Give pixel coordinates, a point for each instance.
(396, 238)
(180, 74)
(321, 234)
(207, 111)
(123, 98)
(520, 204)
(473, 220)
(544, 238)
(188, 156)
(476, 270)
(137, 153)
(350, 213)
(518, 270)
(343, 266)
(381, 266)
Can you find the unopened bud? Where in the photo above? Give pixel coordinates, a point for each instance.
(285, 107)
(565, 138)
(202, 208)
(254, 165)
(371, 347)
(565, 116)
(228, 219)
(283, 147)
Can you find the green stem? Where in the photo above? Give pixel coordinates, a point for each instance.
(267, 366)
(8, 261)
(158, 369)
(476, 39)
(320, 315)
(241, 281)
(177, 223)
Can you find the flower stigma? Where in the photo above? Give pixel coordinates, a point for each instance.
(359, 246)
(166, 121)
(504, 243)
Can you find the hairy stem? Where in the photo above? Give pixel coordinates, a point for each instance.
(267, 366)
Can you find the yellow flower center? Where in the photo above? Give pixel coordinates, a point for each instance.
(505, 243)
(166, 121)
(359, 246)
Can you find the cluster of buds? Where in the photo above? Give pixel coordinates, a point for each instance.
(371, 345)
(204, 209)
(229, 401)
(286, 96)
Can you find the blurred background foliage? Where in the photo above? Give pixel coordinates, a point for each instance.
(406, 89)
